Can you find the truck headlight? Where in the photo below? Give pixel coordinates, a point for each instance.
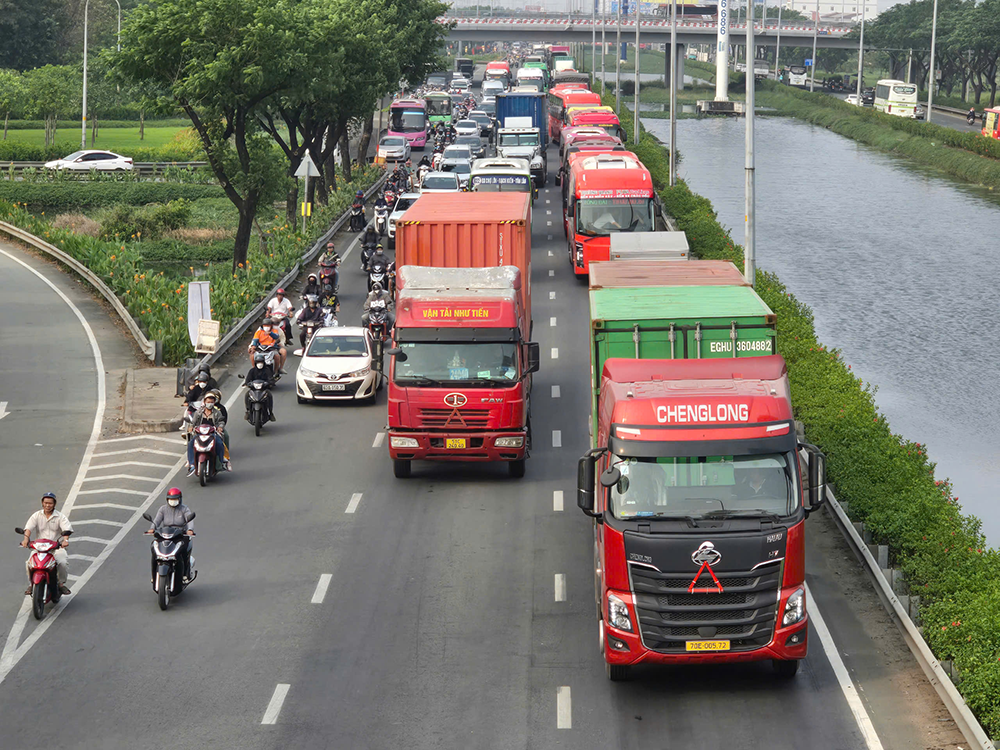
(397, 441)
(795, 608)
(509, 442)
(618, 615)
(536, 161)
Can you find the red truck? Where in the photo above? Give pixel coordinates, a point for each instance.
(460, 373)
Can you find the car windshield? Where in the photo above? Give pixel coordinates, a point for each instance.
(607, 216)
(457, 152)
(404, 203)
(501, 182)
(705, 486)
(489, 108)
(481, 363)
(461, 167)
(74, 155)
(472, 141)
(394, 141)
(440, 182)
(337, 346)
(467, 124)
(519, 139)
(408, 120)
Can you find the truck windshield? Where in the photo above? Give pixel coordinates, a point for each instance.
(705, 487)
(408, 120)
(489, 363)
(604, 216)
(519, 139)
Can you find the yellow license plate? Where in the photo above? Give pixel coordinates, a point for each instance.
(454, 443)
(707, 645)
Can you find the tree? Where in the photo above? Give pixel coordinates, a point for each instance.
(220, 60)
(53, 90)
(30, 32)
(12, 95)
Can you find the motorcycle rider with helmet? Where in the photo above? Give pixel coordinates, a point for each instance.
(176, 513)
(332, 258)
(378, 293)
(259, 372)
(309, 314)
(203, 383)
(280, 310)
(268, 335)
(48, 523)
(312, 286)
(369, 240)
(212, 412)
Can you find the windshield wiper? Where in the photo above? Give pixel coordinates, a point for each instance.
(749, 513)
(691, 520)
(405, 379)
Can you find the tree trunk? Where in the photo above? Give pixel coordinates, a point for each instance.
(6, 119)
(345, 155)
(93, 131)
(142, 124)
(243, 231)
(55, 127)
(329, 167)
(366, 139)
(292, 203)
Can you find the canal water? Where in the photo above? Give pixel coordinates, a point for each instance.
(900, 266)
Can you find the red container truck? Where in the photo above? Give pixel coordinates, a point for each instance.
(460, 374)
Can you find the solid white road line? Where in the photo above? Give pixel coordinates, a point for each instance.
(552, 322)
(564, 708)
(100, 521)
(320, 593)
(379, 438)
(556, 392)
(130, 477)
(115, 506)
(557, 438)
(93, 539)
(74, 556)
(555, 352)
(128, 451)
(104, 490)
(160, 438)
(560, 587)
(846, 684)
(274, 707)
(131, 463)
(557, 501)
(353, 505)
(95, 430)
(552, 272)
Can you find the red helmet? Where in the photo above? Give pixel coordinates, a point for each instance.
(174, 493)
(280, 291)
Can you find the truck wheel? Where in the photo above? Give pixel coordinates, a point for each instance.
(401, 467)
(617, 672)
(785, 669)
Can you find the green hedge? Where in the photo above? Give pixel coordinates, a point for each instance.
(40, 124)
(14, 150)
(72, 195)
(887, 480)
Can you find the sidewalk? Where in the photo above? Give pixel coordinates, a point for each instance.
(150, 401)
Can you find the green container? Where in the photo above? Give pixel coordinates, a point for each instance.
(677, 322)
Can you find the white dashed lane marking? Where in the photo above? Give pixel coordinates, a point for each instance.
(557, 501)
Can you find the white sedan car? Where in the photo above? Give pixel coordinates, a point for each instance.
(393, 148)
(853, 99)
(440, 182)
(84, 161)
(466, 127)
(403, 202)
(337, 365)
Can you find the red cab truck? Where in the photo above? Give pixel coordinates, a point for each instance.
(695, 488)
(461, 361)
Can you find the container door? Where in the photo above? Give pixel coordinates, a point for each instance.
(717, 340)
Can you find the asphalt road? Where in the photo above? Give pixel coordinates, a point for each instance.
(946, 119)
(439, 627)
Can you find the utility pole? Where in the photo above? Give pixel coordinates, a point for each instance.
(777, 46)
(722, 54)
(812, 68)
(673, 92)
(618, 61)
(593, 38)
(909, 67)
(604, 47)
(861, 49)
(635, 117)
(930, 80)
(749, 251)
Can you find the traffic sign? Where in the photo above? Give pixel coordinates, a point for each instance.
(808, 63)
(307, 168)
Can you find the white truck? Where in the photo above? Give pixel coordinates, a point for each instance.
(523, 143)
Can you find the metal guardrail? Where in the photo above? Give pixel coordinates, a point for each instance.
(970, 728)
(233, 334)
(142, 167)
(152, 349)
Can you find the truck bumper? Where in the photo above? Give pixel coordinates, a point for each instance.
(479, 446)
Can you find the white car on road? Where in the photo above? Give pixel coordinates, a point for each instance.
(403, 202)
(337, 365)
(84, 161)
(440, 182)
(853, 99)
(467, 127)
(393, 148)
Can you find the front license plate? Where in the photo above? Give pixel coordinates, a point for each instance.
(707, 645)
(333, 387)
(454, 443)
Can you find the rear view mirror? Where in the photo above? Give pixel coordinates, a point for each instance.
(558, 179)
(817, 477)
(147, 517)
(569, 210)
(396, 352)
(18, 530)
(585, 471)
(533, 359)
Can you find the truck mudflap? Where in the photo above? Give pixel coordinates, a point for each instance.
(459, 446)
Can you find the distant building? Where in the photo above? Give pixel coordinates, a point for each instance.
(845, 11)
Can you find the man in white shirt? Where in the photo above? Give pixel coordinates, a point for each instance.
(280, 310)
(48, 523)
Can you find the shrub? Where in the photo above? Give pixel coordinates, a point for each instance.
(79, 223)
(72, 194)
(14, 150)
(124, 222)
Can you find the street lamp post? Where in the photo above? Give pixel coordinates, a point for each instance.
(930, 80)
(593, 37)
(604, 47)
(812, 68)
(861, 49)
(618, 61)
(635, 115)
(749, 249)
(673, 93)
(83, 118)
(777, 45)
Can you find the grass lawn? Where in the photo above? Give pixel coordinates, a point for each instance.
(650, 61)
(119, 140)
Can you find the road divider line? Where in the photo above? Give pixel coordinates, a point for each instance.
(548, 212)
(379, 438)
(113, 506)
(552, 295)
(556, 391)
(548, 201)
(552, 272)
(549, 223)
(100, 521)
(130, 477)
(128, 451)
(564, 708)
(274, 706)
(119, 490)
(847, 687)
(557, 438)
(550, 239)
(555, 352)
(320, 593)
(550, 252)
(355, 501)
(552, 322)
(560, 587)
(159, 438)
(75, 556)
(557, 501)
(132, 463)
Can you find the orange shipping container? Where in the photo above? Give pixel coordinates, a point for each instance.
(469, 230)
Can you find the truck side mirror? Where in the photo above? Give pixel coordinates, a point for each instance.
(558, 179)
(533, 358)
(585, 477)
(817, 478)
(569, 210)
(396, 352)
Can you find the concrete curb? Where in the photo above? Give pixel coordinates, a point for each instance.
(131, 424)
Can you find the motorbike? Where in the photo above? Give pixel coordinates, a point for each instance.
(44, 581)
(377, 272)
(329, 308)
(970, 118)
(170, 560)
(378, 326)
(390, 195)
(283, 323)
(260, 401)
(367, 250)
(328, 277)
(204, 452)
(382, 220)
(187, 421)
(270, 351)
(357, 217)
(422, 170)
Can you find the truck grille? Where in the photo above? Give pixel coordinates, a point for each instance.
(471, 419)
(745, 612)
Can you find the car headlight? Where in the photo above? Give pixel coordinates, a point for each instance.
(509, 442)
(795, 608)
(307, 373)
(536, 161)
(618, 615)
(397, 441)
(358, 373)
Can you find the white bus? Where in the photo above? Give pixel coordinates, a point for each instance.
(797, 75)
(502, 175)
(896, 98)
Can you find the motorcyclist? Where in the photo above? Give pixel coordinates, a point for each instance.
(378, 293)
(193, 376)
(212, 412)
(378, 256)
(424, 162)
(310, 313)
(971, 116)
(359, 202)
(331, 258)
(175, 513)
(266, 335)
(280, 310)
(259, 372)
(380, 202)
(48, 523)
(203, 383)
(312, 286)
(369, 240)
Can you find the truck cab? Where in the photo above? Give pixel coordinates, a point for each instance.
(524, 143)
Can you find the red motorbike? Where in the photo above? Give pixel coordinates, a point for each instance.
(204, 452)
(44, 582)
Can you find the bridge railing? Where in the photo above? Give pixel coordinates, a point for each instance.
(562, 21)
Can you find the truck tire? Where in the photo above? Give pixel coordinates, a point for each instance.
(401, 467)
(785, 669)
(516, 468)
(617, 672)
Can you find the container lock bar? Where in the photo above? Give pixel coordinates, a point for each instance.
(732, 337)
(697, 338)
(635, 339)
(672, 338)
